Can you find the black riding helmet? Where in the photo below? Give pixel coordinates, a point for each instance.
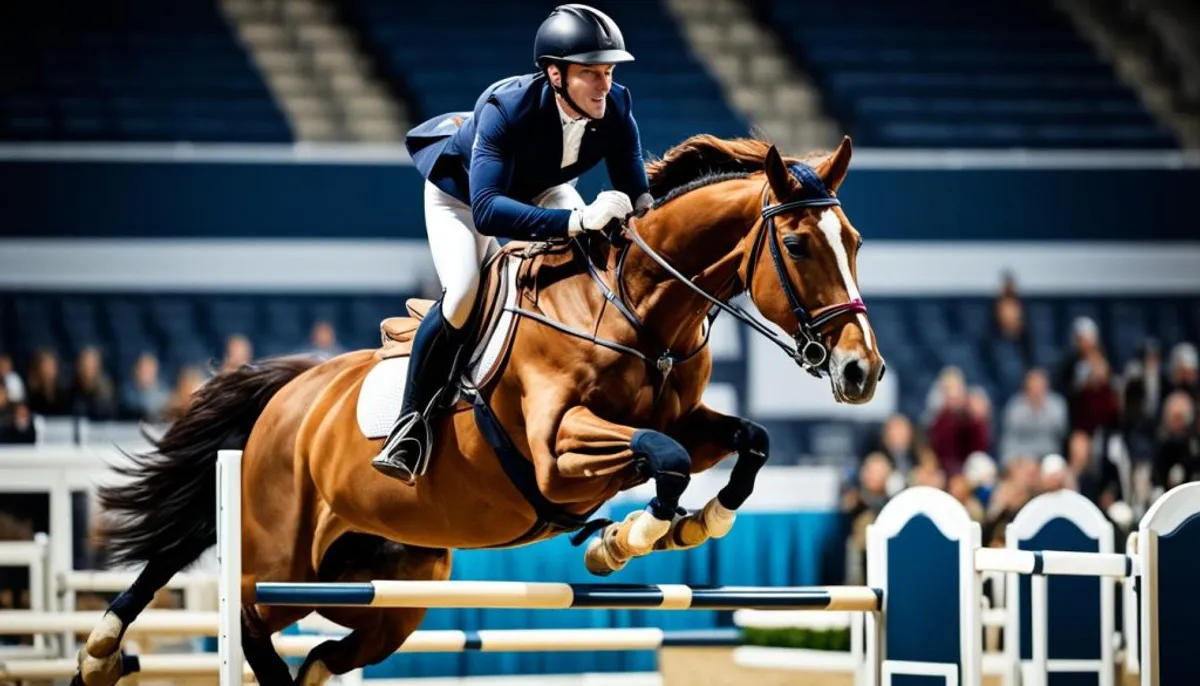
(578, 34)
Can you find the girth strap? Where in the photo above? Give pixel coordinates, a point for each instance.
(521, 473)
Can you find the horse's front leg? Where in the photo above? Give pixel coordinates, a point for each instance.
(709, 437)
(588, 445)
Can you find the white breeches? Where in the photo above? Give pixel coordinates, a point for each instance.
(459, 250)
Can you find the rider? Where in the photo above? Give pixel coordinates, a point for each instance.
(508, 169)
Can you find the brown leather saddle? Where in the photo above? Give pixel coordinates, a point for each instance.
(527, 258)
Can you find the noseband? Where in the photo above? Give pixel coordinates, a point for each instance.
(810, 352)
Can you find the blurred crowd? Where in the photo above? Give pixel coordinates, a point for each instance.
(143, 393)
(1120, 432)
(1119, 438)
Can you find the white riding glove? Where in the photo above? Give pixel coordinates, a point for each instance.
(607, 206)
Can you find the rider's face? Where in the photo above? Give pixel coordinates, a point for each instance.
(588, 86)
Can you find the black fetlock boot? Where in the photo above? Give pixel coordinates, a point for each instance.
(406, 452)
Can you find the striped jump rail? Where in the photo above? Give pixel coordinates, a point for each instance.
(537, 640)
(1056, 563)
(563, 596)
(507, 641)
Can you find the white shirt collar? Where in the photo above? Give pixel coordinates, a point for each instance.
(566, 119)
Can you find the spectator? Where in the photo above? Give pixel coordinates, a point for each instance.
(1184, 374)
(960, 488)
(16, 422)
(1177, 457)
(980, 405)
(238, 352)
(1139, 410)
(1153, 378)
(872, 492)
(44, 387)
(862, 504)
(6, 409)
(897, 442)
(1094, 405)
(186, 383)
(949, 377)
(1055, 474)
(11, 380)
(324, 340)
(21, 428)
(1094, 475)
(1035, 421)
(929, 473)
(960, 426)
(1086, 342)
(1009, 327)
(1021, 481)
(980, 472)
(92, 395)
(144, 396)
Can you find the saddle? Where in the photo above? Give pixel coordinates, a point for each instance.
(510, 276)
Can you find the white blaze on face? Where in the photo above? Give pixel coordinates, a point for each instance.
(831, 227)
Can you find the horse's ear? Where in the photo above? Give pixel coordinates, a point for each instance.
(833, 170)
(783, 185)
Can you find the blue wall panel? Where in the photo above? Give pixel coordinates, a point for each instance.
(226, 200)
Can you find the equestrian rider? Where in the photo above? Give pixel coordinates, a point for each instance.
(509, 171)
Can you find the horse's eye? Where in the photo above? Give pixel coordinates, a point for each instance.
(859, 246)
(796, 246)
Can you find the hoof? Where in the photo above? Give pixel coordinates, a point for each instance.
(598, 560)
(316, 674)
(105, 639)
(718, 520)
(99, 671)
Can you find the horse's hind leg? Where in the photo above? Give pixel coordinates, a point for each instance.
(257, 647)
(374, 639)
(377, 633)
(99, 660)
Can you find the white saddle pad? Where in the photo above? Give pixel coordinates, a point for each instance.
(383, 390)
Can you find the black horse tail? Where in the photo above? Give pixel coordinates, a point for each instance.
(168, 509)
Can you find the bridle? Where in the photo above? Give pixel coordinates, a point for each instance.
(809, 351)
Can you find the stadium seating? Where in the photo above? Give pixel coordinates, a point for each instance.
(442, 66)
(940, 73)
(129, 70)
(919, 335)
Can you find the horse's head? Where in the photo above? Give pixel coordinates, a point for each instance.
(800, 269)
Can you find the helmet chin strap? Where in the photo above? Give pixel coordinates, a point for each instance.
(562, 90)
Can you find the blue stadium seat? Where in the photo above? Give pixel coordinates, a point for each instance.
(129, 70)
(674, 95)
(940, 73)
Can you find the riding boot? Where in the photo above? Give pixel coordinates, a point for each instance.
(432, 364)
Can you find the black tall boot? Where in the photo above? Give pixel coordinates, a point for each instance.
(405, 454)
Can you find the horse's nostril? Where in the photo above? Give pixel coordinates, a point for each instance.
(854, 374)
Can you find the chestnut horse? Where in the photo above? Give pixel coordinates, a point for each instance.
(601, 391)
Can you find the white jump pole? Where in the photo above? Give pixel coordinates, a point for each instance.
(229, 558)
(173, 622)
(115, 581)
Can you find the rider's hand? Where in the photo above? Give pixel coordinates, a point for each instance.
(607, 206)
